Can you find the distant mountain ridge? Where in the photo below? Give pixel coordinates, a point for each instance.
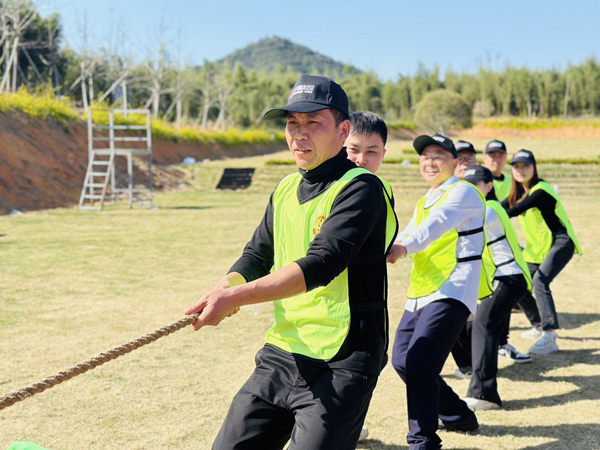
(268, 53)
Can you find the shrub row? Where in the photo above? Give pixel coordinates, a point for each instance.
(45, 106)
(536, 124)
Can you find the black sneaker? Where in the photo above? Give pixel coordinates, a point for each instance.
(466, 425)
(507, 351)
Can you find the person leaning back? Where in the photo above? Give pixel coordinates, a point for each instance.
(445, 238)
(324, 234)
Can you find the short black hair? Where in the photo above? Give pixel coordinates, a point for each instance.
(339, 116)
(367, 123)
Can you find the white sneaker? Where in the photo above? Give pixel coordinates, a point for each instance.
(461, 375)
(364, 433)
(507, 351)
(479, 404)
(546, 344)
(534, 333)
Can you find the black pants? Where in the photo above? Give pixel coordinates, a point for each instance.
(488, 326)
(541, 310)
(423, 341)
(317, 408)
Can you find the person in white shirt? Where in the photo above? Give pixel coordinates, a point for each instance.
(445, 238)
(506, 265)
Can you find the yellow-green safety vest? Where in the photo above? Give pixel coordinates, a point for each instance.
(502, 188)
(513, 241)
(537, 233)
(315, 323)
(433, 265)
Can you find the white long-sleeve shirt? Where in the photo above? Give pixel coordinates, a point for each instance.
(464, 210)
(500, 250)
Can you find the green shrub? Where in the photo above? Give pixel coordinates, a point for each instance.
(442, 110)
(536, 124)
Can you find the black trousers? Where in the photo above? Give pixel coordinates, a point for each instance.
(315, 408)
(541, 310)
(488, 326)
(423, 341)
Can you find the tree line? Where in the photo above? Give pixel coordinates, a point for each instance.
(218, 95)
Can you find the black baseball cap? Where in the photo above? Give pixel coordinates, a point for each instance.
(311, 94)
(524, 156)
(423, 141)
(473, 174)
(495, 146)
(464, 146)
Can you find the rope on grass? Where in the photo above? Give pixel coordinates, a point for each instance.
(21, 394)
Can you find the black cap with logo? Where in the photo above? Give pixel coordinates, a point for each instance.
(464, 146)
(495, 146)
(423, 141)
(473, 174)
(524, 156)
(311, 94)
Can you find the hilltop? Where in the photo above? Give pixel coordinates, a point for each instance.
(268, 53)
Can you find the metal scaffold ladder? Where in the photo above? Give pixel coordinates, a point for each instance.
(100, 181)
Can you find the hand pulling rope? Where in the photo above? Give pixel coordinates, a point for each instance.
(21, 394)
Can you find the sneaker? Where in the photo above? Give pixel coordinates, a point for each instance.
(479, 404)
(364, 433)
(507, 351)
(534, 333)
(462, 375)
(464, 425)
(546, 344)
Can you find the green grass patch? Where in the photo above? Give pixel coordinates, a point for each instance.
(401, 125)
(518, 123)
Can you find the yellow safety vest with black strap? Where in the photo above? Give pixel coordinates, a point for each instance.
(433, 265)
(316, 323)
(502, 188)
(511, 237)
(537, 233)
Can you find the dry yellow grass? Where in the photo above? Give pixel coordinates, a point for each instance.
(74, 284)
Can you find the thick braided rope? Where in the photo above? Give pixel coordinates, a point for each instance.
(21, 394)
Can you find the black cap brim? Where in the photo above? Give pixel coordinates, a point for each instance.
(299, 107)
(523, 160)
(424, 141)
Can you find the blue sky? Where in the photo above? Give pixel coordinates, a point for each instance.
(389, 37)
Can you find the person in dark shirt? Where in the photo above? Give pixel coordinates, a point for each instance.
(551, 243)
(319, 255)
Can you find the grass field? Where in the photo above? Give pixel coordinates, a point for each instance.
(74, 284)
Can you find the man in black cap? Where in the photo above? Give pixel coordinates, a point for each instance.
(325, 233)
(466, 157)
(494, 159)
(445, 239)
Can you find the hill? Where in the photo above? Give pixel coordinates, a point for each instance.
(268, 53)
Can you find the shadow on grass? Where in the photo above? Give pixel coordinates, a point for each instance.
(575, 436)
(569, 321)
(588, 386)
(375, 444)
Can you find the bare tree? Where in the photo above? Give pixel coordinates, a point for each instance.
(16, 16)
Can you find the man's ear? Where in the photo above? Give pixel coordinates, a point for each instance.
(344, 130)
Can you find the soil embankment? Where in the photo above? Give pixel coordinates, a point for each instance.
(43, 162)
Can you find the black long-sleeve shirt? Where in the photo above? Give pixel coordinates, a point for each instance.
(353, 232)
(541, 200)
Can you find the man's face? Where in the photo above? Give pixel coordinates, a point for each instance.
(465, 159)
(313, 138)
(366, 151)
(495, 161)
(437, 165)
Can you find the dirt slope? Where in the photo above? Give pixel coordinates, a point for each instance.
(43, 162)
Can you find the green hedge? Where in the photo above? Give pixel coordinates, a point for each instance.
(46, 105)
(537, 124)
